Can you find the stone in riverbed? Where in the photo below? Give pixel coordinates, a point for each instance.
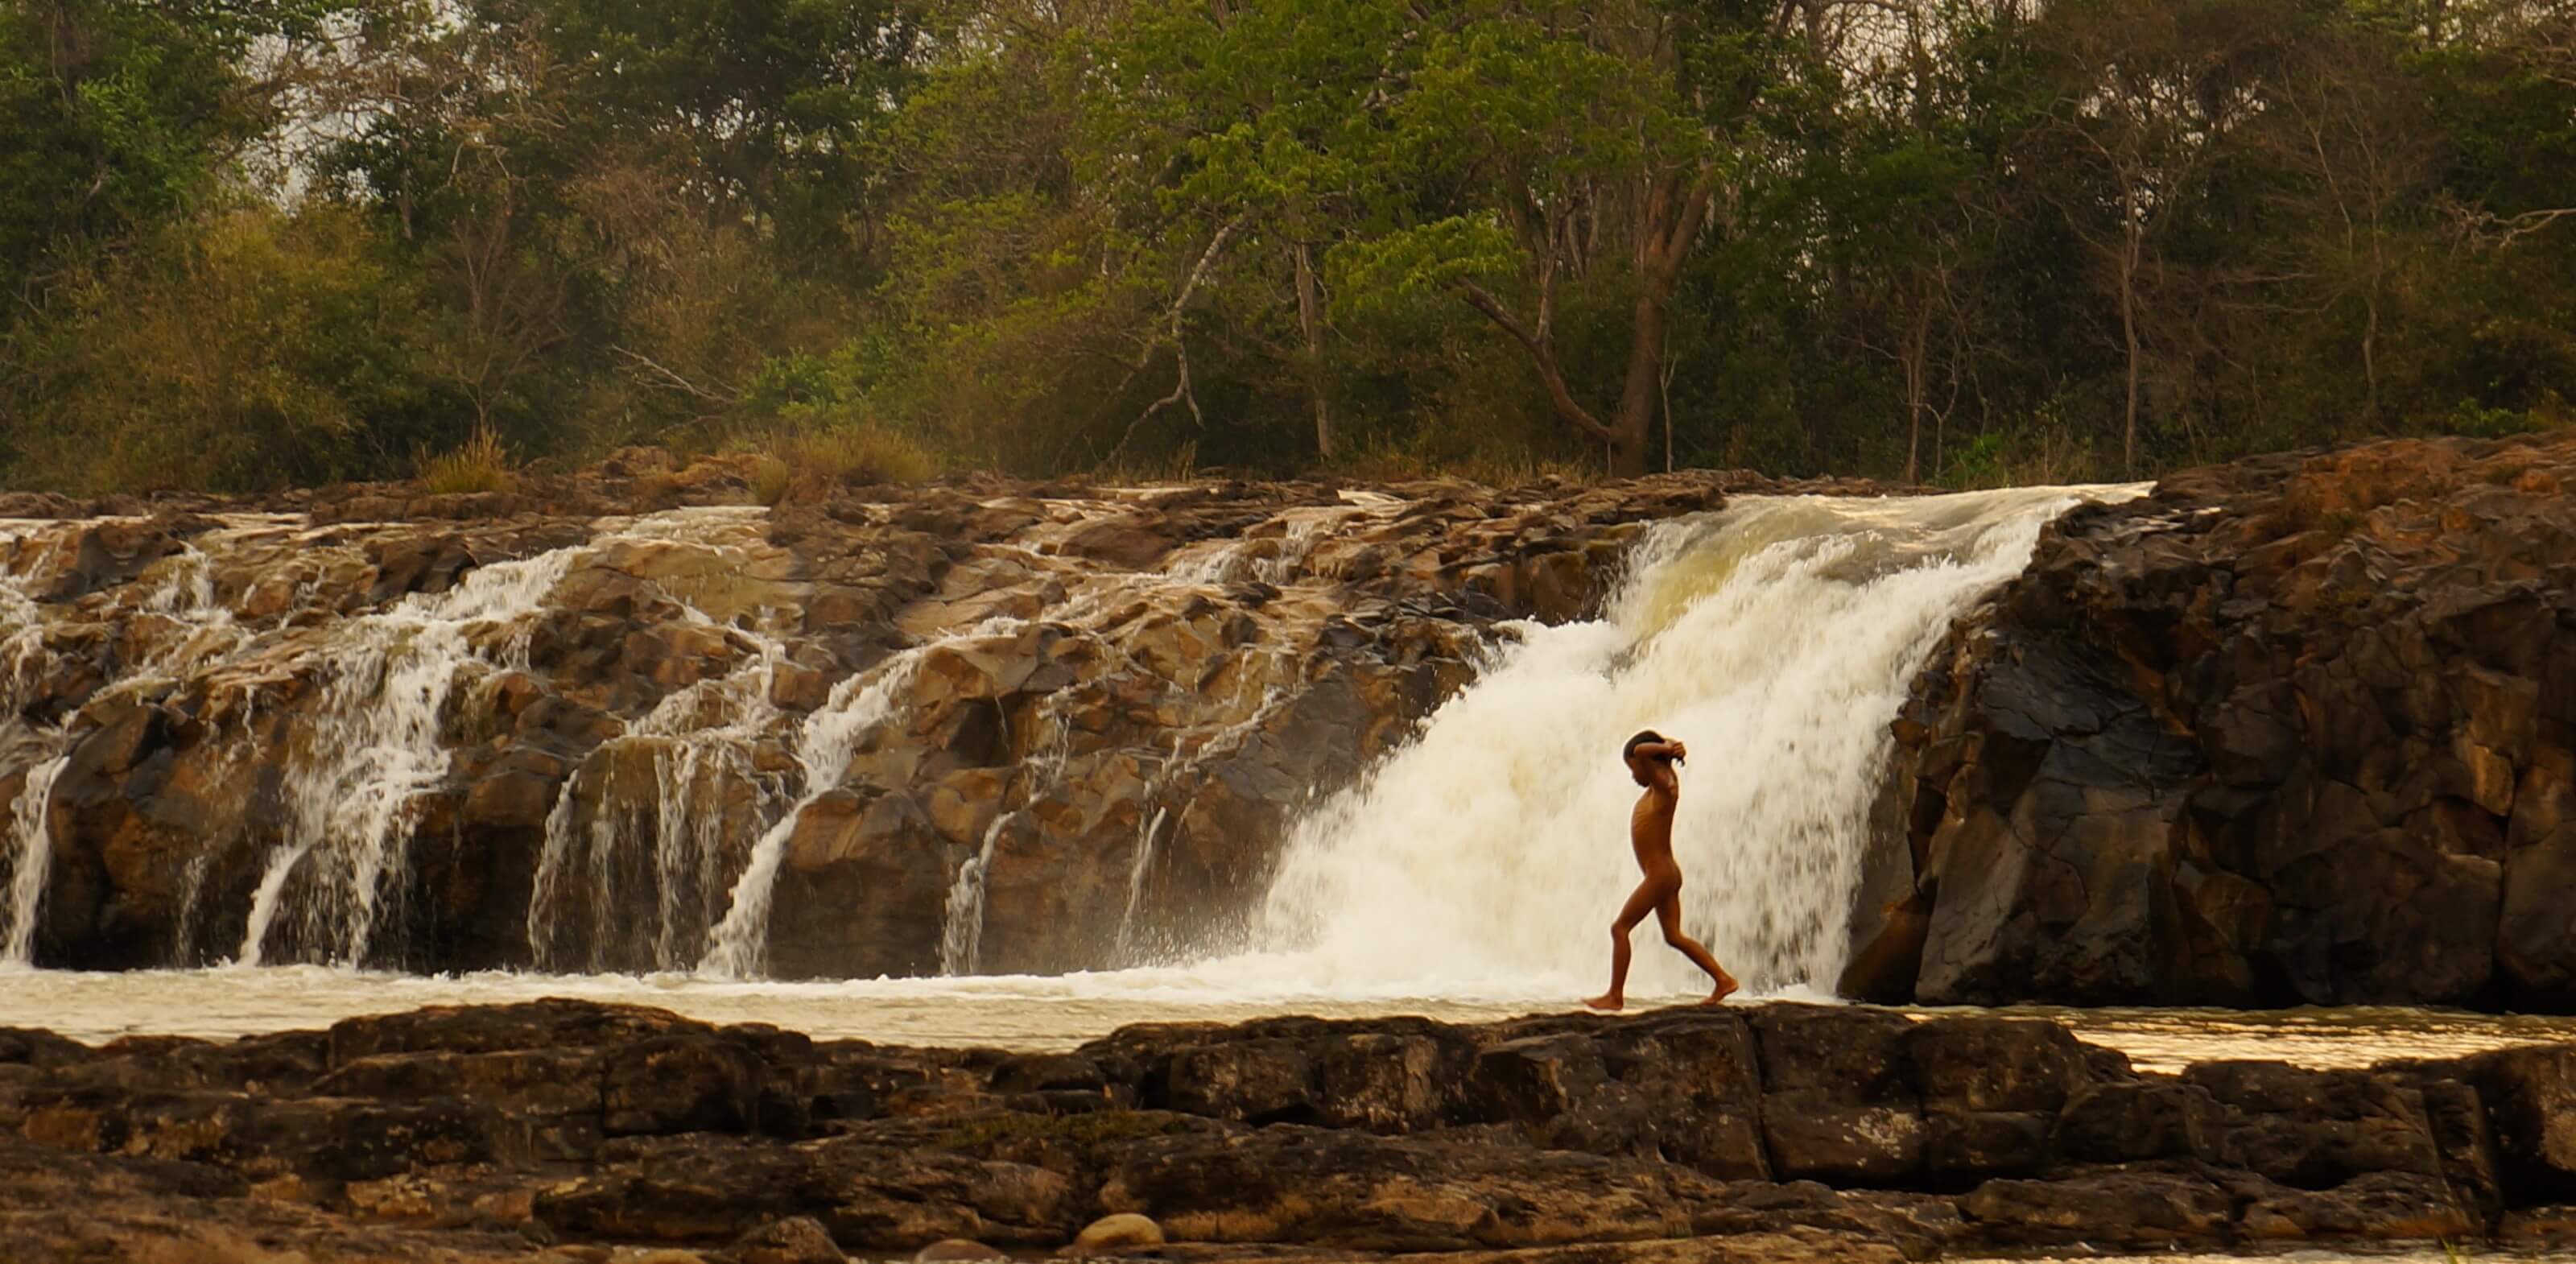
(1117, 1232)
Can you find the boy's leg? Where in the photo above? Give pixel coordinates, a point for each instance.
(1669, 912)
(1648, 894)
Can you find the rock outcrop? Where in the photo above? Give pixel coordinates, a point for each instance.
(969, 725)
(2300, 729)
(1780, 1132)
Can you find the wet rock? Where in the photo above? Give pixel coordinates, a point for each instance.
(686, 1083)
(2146, 1209)
(598, 1129)
(2530, 1097)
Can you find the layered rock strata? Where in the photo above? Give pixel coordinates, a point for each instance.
(1775, 1132)
(2300, 729)
(628, 720)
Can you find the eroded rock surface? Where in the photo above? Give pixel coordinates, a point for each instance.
(1778, 1132)
(2296, 730)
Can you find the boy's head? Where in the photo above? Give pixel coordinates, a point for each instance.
(1642, 767)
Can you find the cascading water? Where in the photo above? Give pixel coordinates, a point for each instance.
(1479, 859)
(700, 745)
(374, 747)
(30, 857)
(961, 924)
(738, 947)
(1136, 871)
(1776, 638)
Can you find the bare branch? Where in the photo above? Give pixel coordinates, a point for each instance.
(1541, 351)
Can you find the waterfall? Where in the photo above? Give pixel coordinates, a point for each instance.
(739, 945)
(961, 924)
(701, 744)
(1136, 871)
(374, 747)
(1776, 638)
(31, 846)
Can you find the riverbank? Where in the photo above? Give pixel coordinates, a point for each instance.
(1831, 1132)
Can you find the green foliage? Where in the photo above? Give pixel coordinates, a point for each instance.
(1971, 242)
(240, 351)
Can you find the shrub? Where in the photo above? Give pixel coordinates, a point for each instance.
(808, 461)
(480, 464)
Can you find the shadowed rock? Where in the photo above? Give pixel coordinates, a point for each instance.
(1827, 1133)
(2300, 729)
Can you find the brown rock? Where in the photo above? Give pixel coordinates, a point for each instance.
(1117, 1232)
(795, 1240)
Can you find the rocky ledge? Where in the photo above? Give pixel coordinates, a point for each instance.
(2297, 730)
(1776, 1133)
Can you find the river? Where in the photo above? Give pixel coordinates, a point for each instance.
(1044, 1012)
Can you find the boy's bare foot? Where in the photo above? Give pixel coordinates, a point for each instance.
(1611, 1001)
(1725, 988)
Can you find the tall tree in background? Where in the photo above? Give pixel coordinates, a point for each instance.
(1581, 140)
(2148, 95)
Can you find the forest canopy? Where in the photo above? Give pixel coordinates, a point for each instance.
(254, 243)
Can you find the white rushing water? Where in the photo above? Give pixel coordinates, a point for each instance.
(376, 745)
(738, 947)
(1777, 639)
(698, 745)
(30, 858)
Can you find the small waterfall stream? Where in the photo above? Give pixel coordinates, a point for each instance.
(738, 947)
(30, 854)
(376, 745)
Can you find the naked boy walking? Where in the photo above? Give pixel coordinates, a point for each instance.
(1650, 760)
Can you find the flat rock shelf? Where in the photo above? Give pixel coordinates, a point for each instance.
(1773, 1132)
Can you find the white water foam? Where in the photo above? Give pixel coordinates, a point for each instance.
(1776, 639)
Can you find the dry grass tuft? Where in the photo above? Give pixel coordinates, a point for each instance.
(480, 464)
(844, 456)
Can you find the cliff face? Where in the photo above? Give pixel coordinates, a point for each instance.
(2296, 730)
(627, 720)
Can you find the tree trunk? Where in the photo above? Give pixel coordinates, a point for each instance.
(1632, 428)
(2129, 335)
(1311, 326)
